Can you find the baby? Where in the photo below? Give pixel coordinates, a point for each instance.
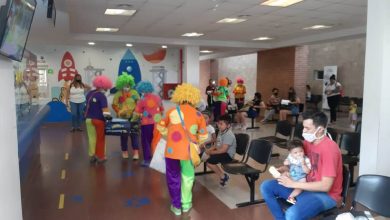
(296, 164)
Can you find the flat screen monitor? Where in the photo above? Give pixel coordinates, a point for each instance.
(17, 22)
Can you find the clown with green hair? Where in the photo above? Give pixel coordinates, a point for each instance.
(124, 103)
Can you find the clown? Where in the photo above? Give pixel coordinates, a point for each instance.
(124, 103)
(221, 95)
(95, 113)
(239, 93)
(182, 124)
(150, 109)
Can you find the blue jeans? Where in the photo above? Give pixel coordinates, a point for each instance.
(308, 205)
(77, 110)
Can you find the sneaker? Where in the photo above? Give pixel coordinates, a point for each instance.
(79, 129)
(291, 200)
(72, 130)
(98, 160)
(145, 163)
(125, 155)
(187, 209)
(244, 127)
(175, 210)
(92, 159)
(136, 155)
(224, 180)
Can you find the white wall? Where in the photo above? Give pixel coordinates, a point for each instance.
(10, 200)
(106, 58)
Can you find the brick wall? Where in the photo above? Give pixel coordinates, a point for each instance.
(276, 68)
(301, 71)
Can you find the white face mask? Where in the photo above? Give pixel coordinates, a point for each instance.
(126, 89)
(310, 137)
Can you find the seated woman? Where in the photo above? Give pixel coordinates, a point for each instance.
(293, 105)
(251, 110)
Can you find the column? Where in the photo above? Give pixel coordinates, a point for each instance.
(10, 200)
(191, 65)
(375, 141)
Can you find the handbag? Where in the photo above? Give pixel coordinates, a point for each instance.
(193, 147)
(158, 159)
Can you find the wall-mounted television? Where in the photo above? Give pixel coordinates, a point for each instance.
(16, 18)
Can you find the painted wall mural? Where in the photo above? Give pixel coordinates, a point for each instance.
(156, 56)
(129, 65)
(67, 72)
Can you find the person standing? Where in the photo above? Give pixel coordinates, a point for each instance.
(150, 109)
(209, 92)
(323, 188)
(332, 91)
(125, 100)
(182, 124)
(239, 92)
(76, 101)
(95, 113)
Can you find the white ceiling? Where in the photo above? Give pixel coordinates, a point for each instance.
(164, 21)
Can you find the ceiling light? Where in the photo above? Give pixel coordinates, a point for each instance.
(102, 29)
(129, 45)
(206, 51)
(193, 34)
(91, 43)
(231, 20)
(317, 27)
(280, 3)
(124, 12)
(263, 38)
(164, 46)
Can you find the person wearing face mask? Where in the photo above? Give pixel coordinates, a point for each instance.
(332, 91)
(76, 101)
(124, 103)
(273, 105)
(96, 112)
(323, 186)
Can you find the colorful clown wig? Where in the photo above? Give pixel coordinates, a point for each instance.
(223, 81)
(124, 80)
(240, 80)
(102, 82)
(186, 93)
(144, 87)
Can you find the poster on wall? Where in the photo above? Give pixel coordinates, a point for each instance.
(328, 72)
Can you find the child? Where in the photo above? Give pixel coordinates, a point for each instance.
(352, 113)
(210, 141)
(298, 166)
(224, 149)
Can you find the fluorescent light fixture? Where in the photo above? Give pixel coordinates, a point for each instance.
(91, 43)
(129, 45)
(103, 29)
(231, 20)
(280, 3)
(317, 27)
(206, 51)
(192, 34)
(263, 38)
(124, 12)
(164, 46)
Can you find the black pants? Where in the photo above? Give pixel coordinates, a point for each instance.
(333, 102)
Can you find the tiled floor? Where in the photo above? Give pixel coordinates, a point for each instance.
(121, 189)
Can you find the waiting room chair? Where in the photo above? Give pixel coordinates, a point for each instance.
(373, 192)
(242, 140)
(283, 128)
(333, 134)
(253, 123)
(350, 142)
(296, 116)
(344, 193)
(260, 151)
(298, 131)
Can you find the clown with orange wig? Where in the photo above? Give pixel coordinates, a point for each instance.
(181, 124)
(95, 114)
(221, 95)
(239, 92)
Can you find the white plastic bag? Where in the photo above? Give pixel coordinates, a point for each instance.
(158, 160)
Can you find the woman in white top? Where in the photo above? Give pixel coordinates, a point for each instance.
(76, 100)
(332, 90)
